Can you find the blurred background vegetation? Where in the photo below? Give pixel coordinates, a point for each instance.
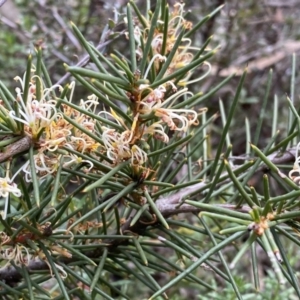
(261, 34)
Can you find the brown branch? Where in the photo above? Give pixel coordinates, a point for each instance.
(15, 148)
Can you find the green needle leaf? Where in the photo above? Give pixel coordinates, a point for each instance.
(196, 264)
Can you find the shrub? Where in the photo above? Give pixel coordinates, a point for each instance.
(122, 194)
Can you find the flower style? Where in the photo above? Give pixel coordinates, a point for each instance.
(45, 163)
(78, 140)
(63, 273)
(154, 59)
(168, 115)
(17, 253)
(154, 95)
(55, 135)
(138, 156)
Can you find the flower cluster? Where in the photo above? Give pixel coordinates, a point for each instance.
(183, 54)
(19, 254)
(16, 250)
(154, 114)
(51, 131)
(155, 104)
(67, 134)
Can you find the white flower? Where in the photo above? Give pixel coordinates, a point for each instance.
(296, 167)
(7, 186)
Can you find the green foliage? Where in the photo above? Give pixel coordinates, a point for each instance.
(123, 194)
(270, 291)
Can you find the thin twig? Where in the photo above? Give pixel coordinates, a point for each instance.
(15, 148)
